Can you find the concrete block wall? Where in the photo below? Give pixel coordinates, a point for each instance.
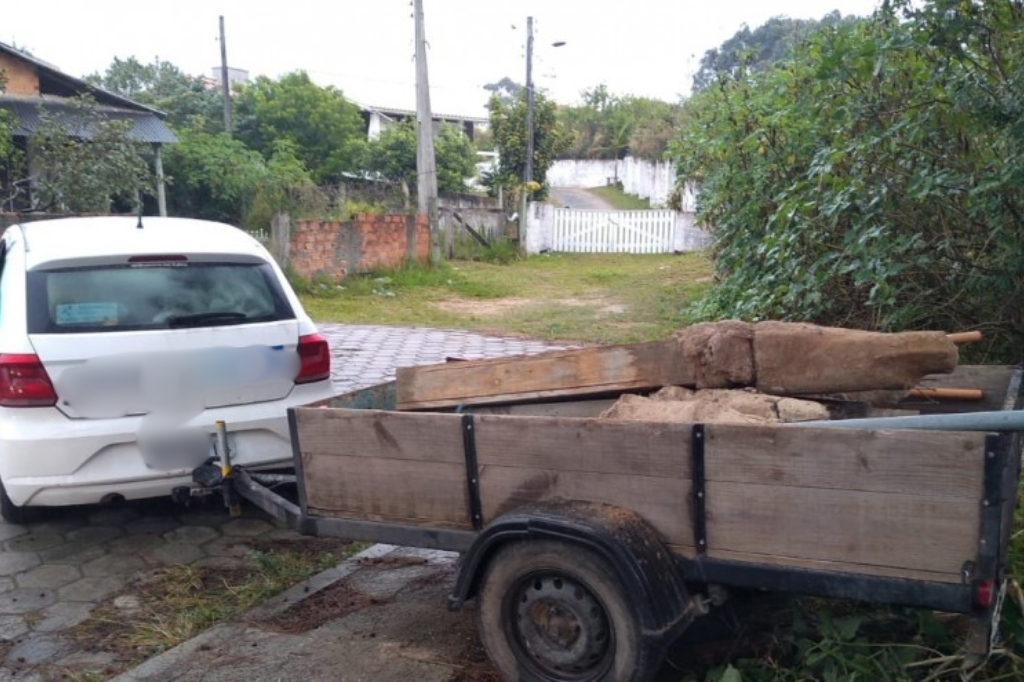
(335, 249)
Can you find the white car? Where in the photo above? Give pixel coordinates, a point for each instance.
(123, 341)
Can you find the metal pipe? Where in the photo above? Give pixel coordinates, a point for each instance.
(223, 451)
(1003, 420)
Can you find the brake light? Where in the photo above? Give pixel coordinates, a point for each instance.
(983, 592)
(24, 382)
(314, 359)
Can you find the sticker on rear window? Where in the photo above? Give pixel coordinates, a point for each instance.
(86, 313)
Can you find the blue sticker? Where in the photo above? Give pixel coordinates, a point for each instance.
(86, 313)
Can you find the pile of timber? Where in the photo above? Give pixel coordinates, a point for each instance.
(772, 358)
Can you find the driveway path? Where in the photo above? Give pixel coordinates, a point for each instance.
(578, 197)
(54, 573)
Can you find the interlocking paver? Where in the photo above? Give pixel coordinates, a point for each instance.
(92, 589)
(54, 573)
(113, 564)
(173, 555)
(191, 535)
(34, 542)
(49, 576)
(95, 534)
(26, 600)
(16, 562)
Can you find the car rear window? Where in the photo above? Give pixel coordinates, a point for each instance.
(153, 295)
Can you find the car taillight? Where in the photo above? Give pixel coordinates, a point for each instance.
(24, 382)
(314, 359)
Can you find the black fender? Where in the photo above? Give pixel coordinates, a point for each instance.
(648, 571)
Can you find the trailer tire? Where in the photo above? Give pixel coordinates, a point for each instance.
(551, 611)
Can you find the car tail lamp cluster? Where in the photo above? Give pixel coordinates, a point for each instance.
(314, 359)
(24, 382)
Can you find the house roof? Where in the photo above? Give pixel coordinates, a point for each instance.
(28, 117)
(58, 88)
(392, 111)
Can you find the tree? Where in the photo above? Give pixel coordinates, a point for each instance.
(327, 130)
(754, 50)
(608, 126)
(164, 86)
(875, 179)
(393, 156)
(84, 162)
(9, 156)
(508, 127)
(216, 177)
(506, 90)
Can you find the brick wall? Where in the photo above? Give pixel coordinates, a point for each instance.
(22, 78)
(339, 248)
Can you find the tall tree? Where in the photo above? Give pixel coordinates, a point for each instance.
(607, 126)
(754, 50)
(164, 86)
(326, 129)
(393, 156)
(508, 128)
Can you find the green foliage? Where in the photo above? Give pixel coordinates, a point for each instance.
(325, 128)
(216, 177)
(393, 156)
(608, 126)
(508, 128)
(84, 162)
(762, 48)
(875, 178)
(164, 86)
(9, 157)
(618, 198)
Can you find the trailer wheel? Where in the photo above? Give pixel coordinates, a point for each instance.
(554, 612)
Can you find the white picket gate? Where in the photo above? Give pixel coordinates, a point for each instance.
(584, 231)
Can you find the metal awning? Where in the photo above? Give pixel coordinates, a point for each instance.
(146, 126)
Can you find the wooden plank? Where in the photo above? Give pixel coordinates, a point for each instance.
(619, 448)
(916, 532)
(381, 434)
(390, 490)
(384, 466)
(662, 502)
(584, 371)
(829, 566)
(939, 464)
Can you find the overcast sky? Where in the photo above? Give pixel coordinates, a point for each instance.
(365, 47)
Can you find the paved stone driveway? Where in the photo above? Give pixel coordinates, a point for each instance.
(52, 574)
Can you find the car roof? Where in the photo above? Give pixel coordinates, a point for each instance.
(101, 237)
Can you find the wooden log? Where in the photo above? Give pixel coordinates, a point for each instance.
(947, 393)
(799, 359)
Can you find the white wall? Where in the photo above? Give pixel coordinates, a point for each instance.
(652, 180)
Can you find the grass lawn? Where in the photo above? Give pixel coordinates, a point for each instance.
(614, 195)
(601, 298)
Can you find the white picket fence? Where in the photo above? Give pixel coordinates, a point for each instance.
(583, 231)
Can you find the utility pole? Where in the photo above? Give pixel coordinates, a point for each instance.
(224, 78)
(426, 170)
(524, 203)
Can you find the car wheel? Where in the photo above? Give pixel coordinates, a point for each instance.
(555, 612)
(12, 513)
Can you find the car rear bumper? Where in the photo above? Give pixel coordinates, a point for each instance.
(49, 460)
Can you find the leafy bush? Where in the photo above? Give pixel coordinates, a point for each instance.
(875, 178)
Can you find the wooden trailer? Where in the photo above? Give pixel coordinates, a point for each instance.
(591, 543)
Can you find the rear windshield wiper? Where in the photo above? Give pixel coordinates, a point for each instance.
(212, 318)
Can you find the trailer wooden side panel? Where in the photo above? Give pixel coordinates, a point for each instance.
(384, 466)
(896, 503)
(887, 503)
(643, 467)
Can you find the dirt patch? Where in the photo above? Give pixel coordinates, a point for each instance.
(482, 307)
(338, 600)
(473, 662)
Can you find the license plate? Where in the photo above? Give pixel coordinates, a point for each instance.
(175, 451)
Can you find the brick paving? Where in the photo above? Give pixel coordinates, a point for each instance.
(54, 573)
